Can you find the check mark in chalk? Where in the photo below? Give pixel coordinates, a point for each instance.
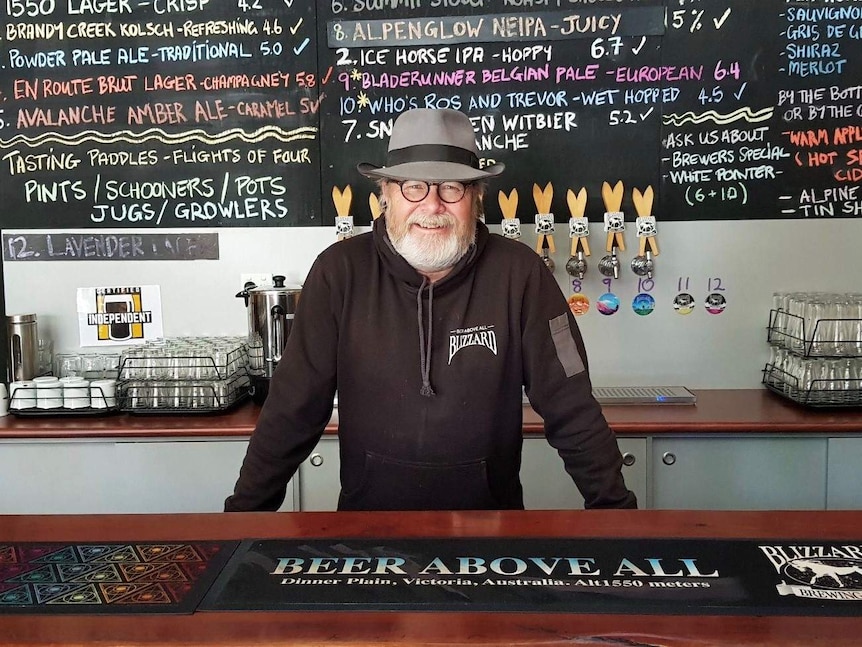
(295, 28)
(298, 49)
(718, 23)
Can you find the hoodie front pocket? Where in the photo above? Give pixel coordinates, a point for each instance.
(393, 484)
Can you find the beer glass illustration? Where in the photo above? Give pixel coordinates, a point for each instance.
(119, 304)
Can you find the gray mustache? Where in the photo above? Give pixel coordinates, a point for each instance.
(432, 220)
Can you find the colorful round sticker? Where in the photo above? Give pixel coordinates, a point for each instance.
(608, 303)
(715, 303)
(683, 303)
(643, 304)
(579, 304)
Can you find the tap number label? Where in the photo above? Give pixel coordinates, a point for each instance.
(715, 285)
(17, 249)
(645, 284)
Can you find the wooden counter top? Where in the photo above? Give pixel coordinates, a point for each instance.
(467, 628)
(716, 411)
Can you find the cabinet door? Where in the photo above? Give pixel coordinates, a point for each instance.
(844, 485)
(547, 485)
(63, 477)
(319, 477)
(182, 476)
(739, 473)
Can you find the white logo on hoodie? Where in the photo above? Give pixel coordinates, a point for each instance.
(475, 336)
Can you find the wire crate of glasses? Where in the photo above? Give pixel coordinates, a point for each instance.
(184, 375)
(816, 348)
(814, 381)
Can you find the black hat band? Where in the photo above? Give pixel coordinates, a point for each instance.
(432, 153)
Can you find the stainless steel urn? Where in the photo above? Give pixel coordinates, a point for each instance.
(270, 317)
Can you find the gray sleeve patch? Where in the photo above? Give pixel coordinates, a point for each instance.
(567, 352)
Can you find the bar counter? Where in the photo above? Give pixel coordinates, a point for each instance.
(716, 411)
(430, 628)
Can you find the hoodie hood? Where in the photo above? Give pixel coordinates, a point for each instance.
(398, 267)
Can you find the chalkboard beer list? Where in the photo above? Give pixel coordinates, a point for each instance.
(177, 113)
(159, 113)
(545, 84)
(731, 109)
(820, 106)
(774, 129)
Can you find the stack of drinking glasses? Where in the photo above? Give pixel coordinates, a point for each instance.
(184, 374)
(90, 366)
(816, 348)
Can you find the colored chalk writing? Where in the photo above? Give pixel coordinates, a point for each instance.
(169, 113)
(183, 113)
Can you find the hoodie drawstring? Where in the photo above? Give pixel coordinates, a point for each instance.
(425, 348)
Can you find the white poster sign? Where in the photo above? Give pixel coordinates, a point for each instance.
(119, 316)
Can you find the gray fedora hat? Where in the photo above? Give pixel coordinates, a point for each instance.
(433, 145)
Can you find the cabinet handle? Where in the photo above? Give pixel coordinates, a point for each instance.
(668, 458)
(629, 459)
(316, 460)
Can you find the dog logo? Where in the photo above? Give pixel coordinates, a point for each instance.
(818, 572)
(615, 221)
(344, 226)
(511, 227)
(826, 572)
(544, 223)
(646, 226)
(579, 228)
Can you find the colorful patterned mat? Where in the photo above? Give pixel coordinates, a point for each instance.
(165, 577)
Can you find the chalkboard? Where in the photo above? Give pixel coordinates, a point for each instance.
(528, 80)
(731, 109)
(250, 112)
(159, 113)
(774, 130)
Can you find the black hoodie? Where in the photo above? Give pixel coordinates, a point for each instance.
(429, 381)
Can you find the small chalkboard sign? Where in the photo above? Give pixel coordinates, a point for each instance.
(65, 246)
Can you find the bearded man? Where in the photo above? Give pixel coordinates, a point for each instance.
(430, 328)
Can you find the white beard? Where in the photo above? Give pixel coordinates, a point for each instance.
(427, 253)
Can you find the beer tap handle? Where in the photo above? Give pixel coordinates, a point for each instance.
(643, 264)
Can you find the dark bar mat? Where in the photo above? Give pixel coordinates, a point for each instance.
(666, 576)
(134, 577)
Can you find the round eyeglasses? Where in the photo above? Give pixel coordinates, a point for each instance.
(417, 190)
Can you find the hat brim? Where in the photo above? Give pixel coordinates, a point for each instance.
(431, 171)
